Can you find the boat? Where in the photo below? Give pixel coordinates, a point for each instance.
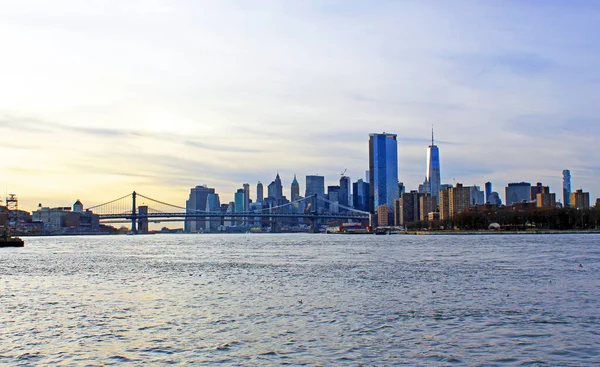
(11, 242)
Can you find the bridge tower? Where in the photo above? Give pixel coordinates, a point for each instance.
(133, 214)
(314, 222)
(143, 219)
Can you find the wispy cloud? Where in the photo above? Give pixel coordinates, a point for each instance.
(180, 93)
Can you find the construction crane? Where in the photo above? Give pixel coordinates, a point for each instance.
(343, 172)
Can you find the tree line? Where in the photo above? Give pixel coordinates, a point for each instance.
(508, 218)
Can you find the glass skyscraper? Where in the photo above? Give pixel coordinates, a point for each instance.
(383, 171)
(433, 170)
(566, 188)
(315, 185)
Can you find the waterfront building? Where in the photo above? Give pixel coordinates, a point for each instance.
(64, 220)
(409, 208)
(580, 199)
(454, 200)
(197, 203)
(488, 191)
(383, 216)
(566, 187)
(259, 192)
(517, 192)
(545, 199)
(360, 195)
(537, 189)
(295, 190)
(78, 207)
(383, 171)
(345, 196)
(433, 178)
(427, 205)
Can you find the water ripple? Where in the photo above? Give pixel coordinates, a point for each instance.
(301, 300)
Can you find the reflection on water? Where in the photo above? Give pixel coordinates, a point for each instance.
(301, 299)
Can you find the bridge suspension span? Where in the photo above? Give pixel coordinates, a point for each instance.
(139, 209)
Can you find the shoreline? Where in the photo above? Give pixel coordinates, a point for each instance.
(486, 233)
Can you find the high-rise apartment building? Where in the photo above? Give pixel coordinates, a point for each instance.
(580, 200)
(454, 200)
(197, 203)
(383, 171)
(534, 190)
(426, 205)
(545, 199)
(566, 187)
(517, 192)
(434, 178)
(409, 208)
(295, 190)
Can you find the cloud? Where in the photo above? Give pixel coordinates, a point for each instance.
(169, 94)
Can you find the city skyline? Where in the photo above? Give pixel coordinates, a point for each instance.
(154, 97)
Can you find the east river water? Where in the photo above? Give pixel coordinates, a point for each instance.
(301, 299)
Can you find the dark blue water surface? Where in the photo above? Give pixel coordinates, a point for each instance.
(301, 300)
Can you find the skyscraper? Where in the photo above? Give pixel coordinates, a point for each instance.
(488, 191)
(360, 195)
(433, 169)
(333, 195)
(345, 196)
(580, 200)
(566, 187)
(517, 192)
(246, 197)
(259, 192)
(383, 171)
(295, 189)
(315, 185)
(195, 203)
(213, 204)
(275, 188)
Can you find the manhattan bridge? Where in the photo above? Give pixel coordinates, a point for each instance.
(139, 210)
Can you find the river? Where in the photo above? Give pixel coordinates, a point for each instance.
(301, 299)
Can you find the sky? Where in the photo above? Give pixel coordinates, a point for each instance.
(101, 98)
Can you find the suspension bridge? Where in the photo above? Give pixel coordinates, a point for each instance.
(139, 210)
